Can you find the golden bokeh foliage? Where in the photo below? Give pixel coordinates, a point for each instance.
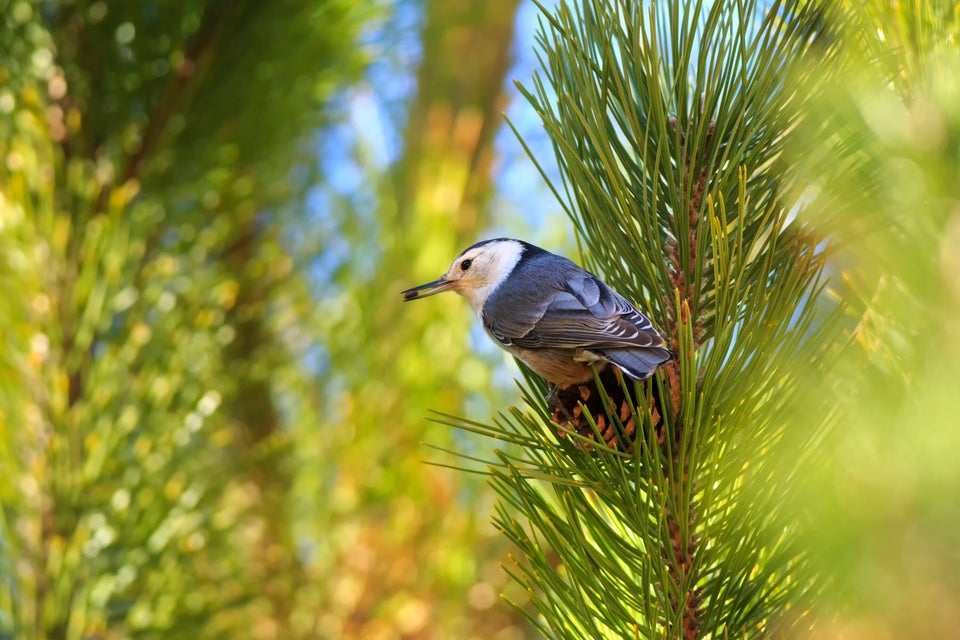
(198, 439)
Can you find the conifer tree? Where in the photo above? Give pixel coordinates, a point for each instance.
(669, 123)
(150, 311)
(882, 149)
(776, 184)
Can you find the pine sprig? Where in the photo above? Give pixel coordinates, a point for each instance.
(668, 122)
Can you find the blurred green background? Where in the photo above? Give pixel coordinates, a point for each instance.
(212, 401)
(212, 405)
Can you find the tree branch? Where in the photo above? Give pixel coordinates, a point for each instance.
(173, 101)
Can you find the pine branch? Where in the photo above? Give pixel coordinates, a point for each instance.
(669, 123)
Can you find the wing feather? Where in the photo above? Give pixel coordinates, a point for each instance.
(578, 312)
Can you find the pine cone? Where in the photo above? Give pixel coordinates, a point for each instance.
(568, 413)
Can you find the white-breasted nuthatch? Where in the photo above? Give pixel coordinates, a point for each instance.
(556, 317)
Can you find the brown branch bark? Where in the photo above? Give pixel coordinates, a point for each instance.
(683, 539)
(174, 98)
(257, 421)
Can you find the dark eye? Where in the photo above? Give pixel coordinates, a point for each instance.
(466, 264)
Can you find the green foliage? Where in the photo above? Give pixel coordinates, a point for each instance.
(669, 123)
(150, 311)
(778, 188)
(889, 137)
(193, 444)
(173, 465)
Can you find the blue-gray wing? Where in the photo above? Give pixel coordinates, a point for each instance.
(578, 312)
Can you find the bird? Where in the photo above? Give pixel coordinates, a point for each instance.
(559, 319)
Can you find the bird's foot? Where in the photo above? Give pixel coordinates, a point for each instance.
(555, 404)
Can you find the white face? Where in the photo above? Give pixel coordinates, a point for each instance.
(475, 274)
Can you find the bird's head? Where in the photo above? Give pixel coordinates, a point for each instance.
(476, 272)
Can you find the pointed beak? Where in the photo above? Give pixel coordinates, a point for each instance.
(428, 289)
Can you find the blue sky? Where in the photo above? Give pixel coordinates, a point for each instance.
(374, 114)
(367, 139)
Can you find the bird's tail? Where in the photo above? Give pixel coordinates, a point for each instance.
(639, 363)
